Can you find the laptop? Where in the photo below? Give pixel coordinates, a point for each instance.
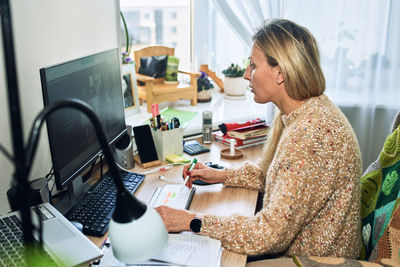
(65, 244)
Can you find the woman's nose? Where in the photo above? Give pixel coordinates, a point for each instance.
(247, 73)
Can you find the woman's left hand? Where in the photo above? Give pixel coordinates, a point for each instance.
(175, 220)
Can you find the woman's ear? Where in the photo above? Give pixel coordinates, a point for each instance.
(279, 76)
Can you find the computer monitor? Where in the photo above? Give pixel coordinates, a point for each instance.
(96, 80)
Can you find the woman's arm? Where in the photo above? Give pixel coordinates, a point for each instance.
(247, 175)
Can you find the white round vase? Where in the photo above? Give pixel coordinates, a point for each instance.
(235, 86)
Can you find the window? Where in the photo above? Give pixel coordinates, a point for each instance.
(215, 43)
(149, 22)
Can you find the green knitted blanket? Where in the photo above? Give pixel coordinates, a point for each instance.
(380, 193)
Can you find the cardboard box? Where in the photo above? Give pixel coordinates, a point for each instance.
(168, 142)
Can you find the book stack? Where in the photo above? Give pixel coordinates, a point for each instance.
(244, 136)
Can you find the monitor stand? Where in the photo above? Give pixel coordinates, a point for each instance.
(74, 191)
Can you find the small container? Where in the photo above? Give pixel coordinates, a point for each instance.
(168, 142)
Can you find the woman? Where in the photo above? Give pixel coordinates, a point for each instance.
(311, 166)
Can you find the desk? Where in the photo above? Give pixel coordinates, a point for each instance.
(215, 199)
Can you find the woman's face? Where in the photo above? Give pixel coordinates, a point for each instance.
(263, 79)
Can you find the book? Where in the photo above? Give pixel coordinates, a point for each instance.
(171, 73)
(225, 139)
(243, 133)
(243, 146)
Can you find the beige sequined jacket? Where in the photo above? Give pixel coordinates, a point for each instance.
(311, 190)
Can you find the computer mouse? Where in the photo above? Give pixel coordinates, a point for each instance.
(78, 225)
(200, 182)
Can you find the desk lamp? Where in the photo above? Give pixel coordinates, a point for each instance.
(137, 233)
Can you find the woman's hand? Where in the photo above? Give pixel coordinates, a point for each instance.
(203, 173)
(175, 220)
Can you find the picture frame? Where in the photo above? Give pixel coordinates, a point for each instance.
(129, 89)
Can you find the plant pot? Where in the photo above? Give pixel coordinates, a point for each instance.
(235, 86)
(204, 96)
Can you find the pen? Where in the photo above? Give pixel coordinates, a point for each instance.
(162, 169)
(191, 167)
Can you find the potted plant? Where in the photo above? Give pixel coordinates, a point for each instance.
(234, 83)
(204, 87)
(126, 59)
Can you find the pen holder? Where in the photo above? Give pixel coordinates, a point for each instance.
(168, 142)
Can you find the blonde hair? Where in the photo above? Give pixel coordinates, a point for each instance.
(294, 49)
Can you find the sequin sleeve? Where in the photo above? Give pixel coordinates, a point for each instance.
(308, 174)
(248, 175)
(275, 226)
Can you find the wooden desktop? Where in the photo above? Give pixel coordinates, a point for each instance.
(215, 199)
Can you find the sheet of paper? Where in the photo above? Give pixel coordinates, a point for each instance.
(185, 249)
(207, 249)
(171, 195)
(176, 251)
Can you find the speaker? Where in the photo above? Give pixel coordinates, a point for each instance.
(40, 194)
(123, 152)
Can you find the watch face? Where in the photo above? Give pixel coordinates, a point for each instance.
(195, 225)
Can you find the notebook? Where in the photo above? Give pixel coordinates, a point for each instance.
(173, 196)
(183, 249)
(65, 244)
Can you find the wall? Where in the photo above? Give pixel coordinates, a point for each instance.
(48, 32)
(371, 127)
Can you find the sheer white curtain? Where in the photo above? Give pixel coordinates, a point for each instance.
(358, 43)
(244, 17)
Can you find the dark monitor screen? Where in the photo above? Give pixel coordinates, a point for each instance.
(96, 80)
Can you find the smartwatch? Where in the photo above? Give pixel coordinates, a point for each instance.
(195, 225)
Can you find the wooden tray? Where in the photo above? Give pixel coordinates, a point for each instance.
(226, 153)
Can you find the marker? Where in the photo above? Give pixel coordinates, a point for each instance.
(191, 167)
(155, 111)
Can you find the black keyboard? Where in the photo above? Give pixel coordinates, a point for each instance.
(95, 208)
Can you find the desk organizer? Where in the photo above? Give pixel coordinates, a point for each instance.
(168, 142)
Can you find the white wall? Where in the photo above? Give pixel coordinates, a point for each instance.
(48, 32)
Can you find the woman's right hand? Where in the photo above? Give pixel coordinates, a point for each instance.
(203, 173)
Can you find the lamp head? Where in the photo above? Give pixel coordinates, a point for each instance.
(136, 238)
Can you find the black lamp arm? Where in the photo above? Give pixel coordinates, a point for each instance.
(127, 207)
(85, 108)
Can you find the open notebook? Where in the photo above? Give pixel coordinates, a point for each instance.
(172, 196)
(185, 249)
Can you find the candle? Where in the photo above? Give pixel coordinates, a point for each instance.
(232, 147)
